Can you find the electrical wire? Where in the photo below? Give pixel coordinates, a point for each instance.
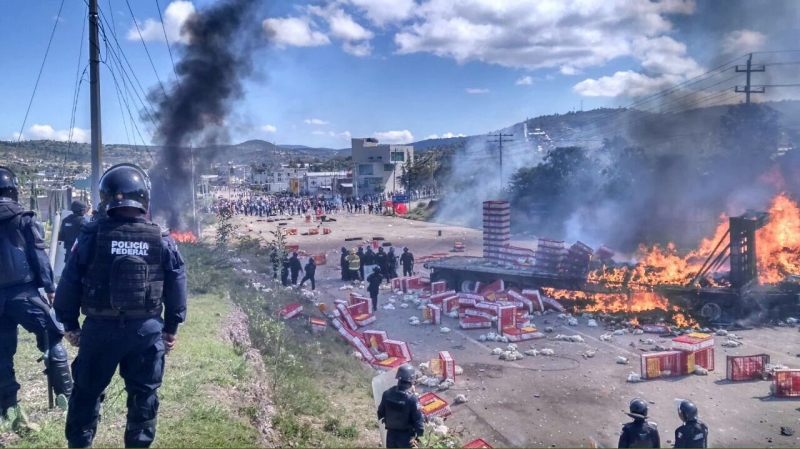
(169, 48)
(152, 64)
(41, 69)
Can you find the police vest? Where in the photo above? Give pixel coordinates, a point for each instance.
(399, 406)
(14, 266)
(126, 274)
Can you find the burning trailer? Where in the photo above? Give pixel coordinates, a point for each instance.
(749, 269)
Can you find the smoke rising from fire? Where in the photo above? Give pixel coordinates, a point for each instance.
(193, 111)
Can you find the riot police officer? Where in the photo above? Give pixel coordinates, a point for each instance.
(400, 410)
(640, 432)
(24, 268)
(124, 272)
(71, 227)
(692, 433)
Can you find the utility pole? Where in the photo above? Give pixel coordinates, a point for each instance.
(195, 229)
(94, 84)
(748, 88)
(500, 139)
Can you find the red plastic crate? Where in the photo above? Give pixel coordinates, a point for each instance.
(747, 367)
(705, 358)
(478, 444)
(786, 383)
(662, 364)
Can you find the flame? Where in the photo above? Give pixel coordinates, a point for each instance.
(778, 243)
(184, 237)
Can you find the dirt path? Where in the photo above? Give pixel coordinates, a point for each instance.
(567, 399)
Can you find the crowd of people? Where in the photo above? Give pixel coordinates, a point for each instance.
(380, 266)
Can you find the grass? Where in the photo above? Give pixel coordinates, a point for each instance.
(320, 392)
(201, 403)
(422, 212)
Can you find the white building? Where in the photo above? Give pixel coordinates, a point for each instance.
(279, 179)
(321, 182)
(378, 168)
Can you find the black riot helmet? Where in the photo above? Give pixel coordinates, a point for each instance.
(405, 373)
(638, 409)
(125, 185)
(9, 184)
(78, 207)
(687, 411)
(376, 269)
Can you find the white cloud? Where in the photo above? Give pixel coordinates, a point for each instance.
(345, 135)
(524, 81)
(175, 16)
(474, 90)
(269, 129)
(319, 132)
(46, 132)
(566, 34)
(360, 50)
(568, 70)
(342, 25)
(382, 12)
(743, 41)
(403, 136)
(444, 136)
(627, 83)
(294, 32)
(315, 121)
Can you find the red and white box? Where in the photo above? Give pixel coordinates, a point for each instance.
(478, 444)
(317, 324)
(468, 299)
(522, 334)
(397, 283)
(550, 303)
(437, 298)
(432, 406)
(448, 365)
(661, 364)
(481, 313)
(410, 283)
(290, 311)
(526, 302)
(489, 292)
(360, 312)
(355, 339)
(438, 287)
(347, 319)
(390, 362)
(536, 299)
(355, 298)
(397, 348)
(376, 338)
(492, 309)
(506, 318)
(449, 304)
(475, 322)
(432, 313)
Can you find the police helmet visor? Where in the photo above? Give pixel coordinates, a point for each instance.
(125, 185)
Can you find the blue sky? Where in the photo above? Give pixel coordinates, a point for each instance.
(400, 70)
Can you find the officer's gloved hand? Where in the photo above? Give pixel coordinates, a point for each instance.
(73, 337)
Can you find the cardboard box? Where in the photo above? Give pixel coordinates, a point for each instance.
(468, 299)
(364, 319)
(448, 365)
(475, 312)
(391, 362)
(506, 318)
(376, 338)
(661, 364)
(317, 324)
(432, 313)
(525, 302)
(410, 283)
(478, 444)
(396, 348)
(522, 334)
(437, 298)
(347, 319)
(449, 304)
(475, 322)
(536, 299)
(438, 287)
(432, 405)
(290, 311)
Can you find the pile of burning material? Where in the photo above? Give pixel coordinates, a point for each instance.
(183, 237)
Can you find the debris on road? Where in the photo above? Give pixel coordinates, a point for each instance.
(633, 377)
(460, 399)
(622, 360)
(547, 352)
(570, 338)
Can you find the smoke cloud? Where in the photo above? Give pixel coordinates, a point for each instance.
(193, 111)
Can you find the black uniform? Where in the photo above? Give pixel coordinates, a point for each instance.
(24, 268)
(692, 434)
(392, 263)
(374, 283)
(360, 254)
(407, 260)
(640, 434)
(400, 411)
(69, 232)
(296, 267)
(285, 272)
(383, 263)
(345, 265)
(123, 274)
(311, 270)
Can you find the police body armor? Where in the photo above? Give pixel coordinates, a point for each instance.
(126, 276)
(14, 266)
(399, 405)
(642, 434)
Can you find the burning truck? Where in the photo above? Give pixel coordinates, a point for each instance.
(749, 270)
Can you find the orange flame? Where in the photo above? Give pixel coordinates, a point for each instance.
(778, 243)
(184, 237)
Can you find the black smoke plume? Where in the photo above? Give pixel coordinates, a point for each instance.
(193, 111)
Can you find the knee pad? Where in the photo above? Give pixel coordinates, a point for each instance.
(58, 353)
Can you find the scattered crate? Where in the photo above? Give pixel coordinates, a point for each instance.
(786, 383)
(747, 367)
(478, 444)
(290, 311)
(432, 406)
(661, 365)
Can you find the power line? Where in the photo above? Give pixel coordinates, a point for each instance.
(136, 24)
(169, 48)
(41, 69)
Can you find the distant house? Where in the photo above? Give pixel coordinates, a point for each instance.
(377, 168)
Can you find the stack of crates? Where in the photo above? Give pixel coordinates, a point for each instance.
(576, 261)
(697, 349)
(496, 228)
(549, 254)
